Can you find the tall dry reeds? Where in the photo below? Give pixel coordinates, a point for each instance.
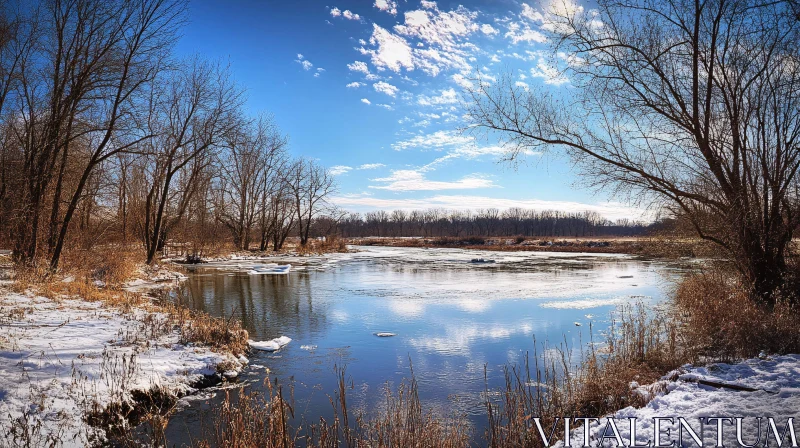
(719, 320)
(641, 345)
(251, 419)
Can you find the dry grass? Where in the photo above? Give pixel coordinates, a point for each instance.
(331, 244)
(254, 420)
(719, 320)
(640, 347)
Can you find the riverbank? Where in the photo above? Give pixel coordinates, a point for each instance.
(758, 388)
(82, 362)
(647, 246)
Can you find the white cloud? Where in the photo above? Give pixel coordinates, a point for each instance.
(437, 140)
(386, 106)
(414, 180)
(472, 151)
(550, 74)
(389, 6)
(448, 96)
(428, 4)
(350, 16)
(358, 66)
(488, 30)
(392, 52)
(524, 85)
(610, 210)
(428, 39)
(339, 169)
(385, 87)
(446, 36)
(523, 33)
(347, 14)
(370, 166)
(462, 81)
(354, 85)
(365, 101)
(305, 63)
(531, 14)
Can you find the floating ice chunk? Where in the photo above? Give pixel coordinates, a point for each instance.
(308, 347)
(271, 345)
(384, 334)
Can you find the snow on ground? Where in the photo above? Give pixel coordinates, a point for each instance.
(776, 382)
(57, 358)
(155, 277)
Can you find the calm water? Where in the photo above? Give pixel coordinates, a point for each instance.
(452, 319)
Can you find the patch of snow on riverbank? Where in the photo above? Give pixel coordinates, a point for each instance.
(777, 394)
(57, 358)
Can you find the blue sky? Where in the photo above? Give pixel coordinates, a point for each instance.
(371, 89)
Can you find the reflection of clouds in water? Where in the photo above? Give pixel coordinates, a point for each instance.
(583, 304)
(458, 339)
(339, 316)
(406, 307)
(474, 305)
(416, 307)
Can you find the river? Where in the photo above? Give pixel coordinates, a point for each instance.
(453, 320)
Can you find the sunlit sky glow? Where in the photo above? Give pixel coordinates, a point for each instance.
(372, 90)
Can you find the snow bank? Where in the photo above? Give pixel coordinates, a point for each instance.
(57, 358)
(771, 389)
(155, 277)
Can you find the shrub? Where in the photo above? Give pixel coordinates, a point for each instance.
(719, 319)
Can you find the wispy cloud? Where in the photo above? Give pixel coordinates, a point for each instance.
(305, 63)
(436, 140)
(610, 210)
(415, 180)
(371, 166)
(339, 169)
(385, 87)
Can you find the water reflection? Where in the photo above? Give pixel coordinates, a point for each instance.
(452, 318)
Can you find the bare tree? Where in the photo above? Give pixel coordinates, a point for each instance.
(199, 109)
(694, 104)
(254, 151)
(310, 185)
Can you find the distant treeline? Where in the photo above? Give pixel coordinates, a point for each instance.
(485, 222)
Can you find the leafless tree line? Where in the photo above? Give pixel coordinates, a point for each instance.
(486, 223)
(105, 135)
